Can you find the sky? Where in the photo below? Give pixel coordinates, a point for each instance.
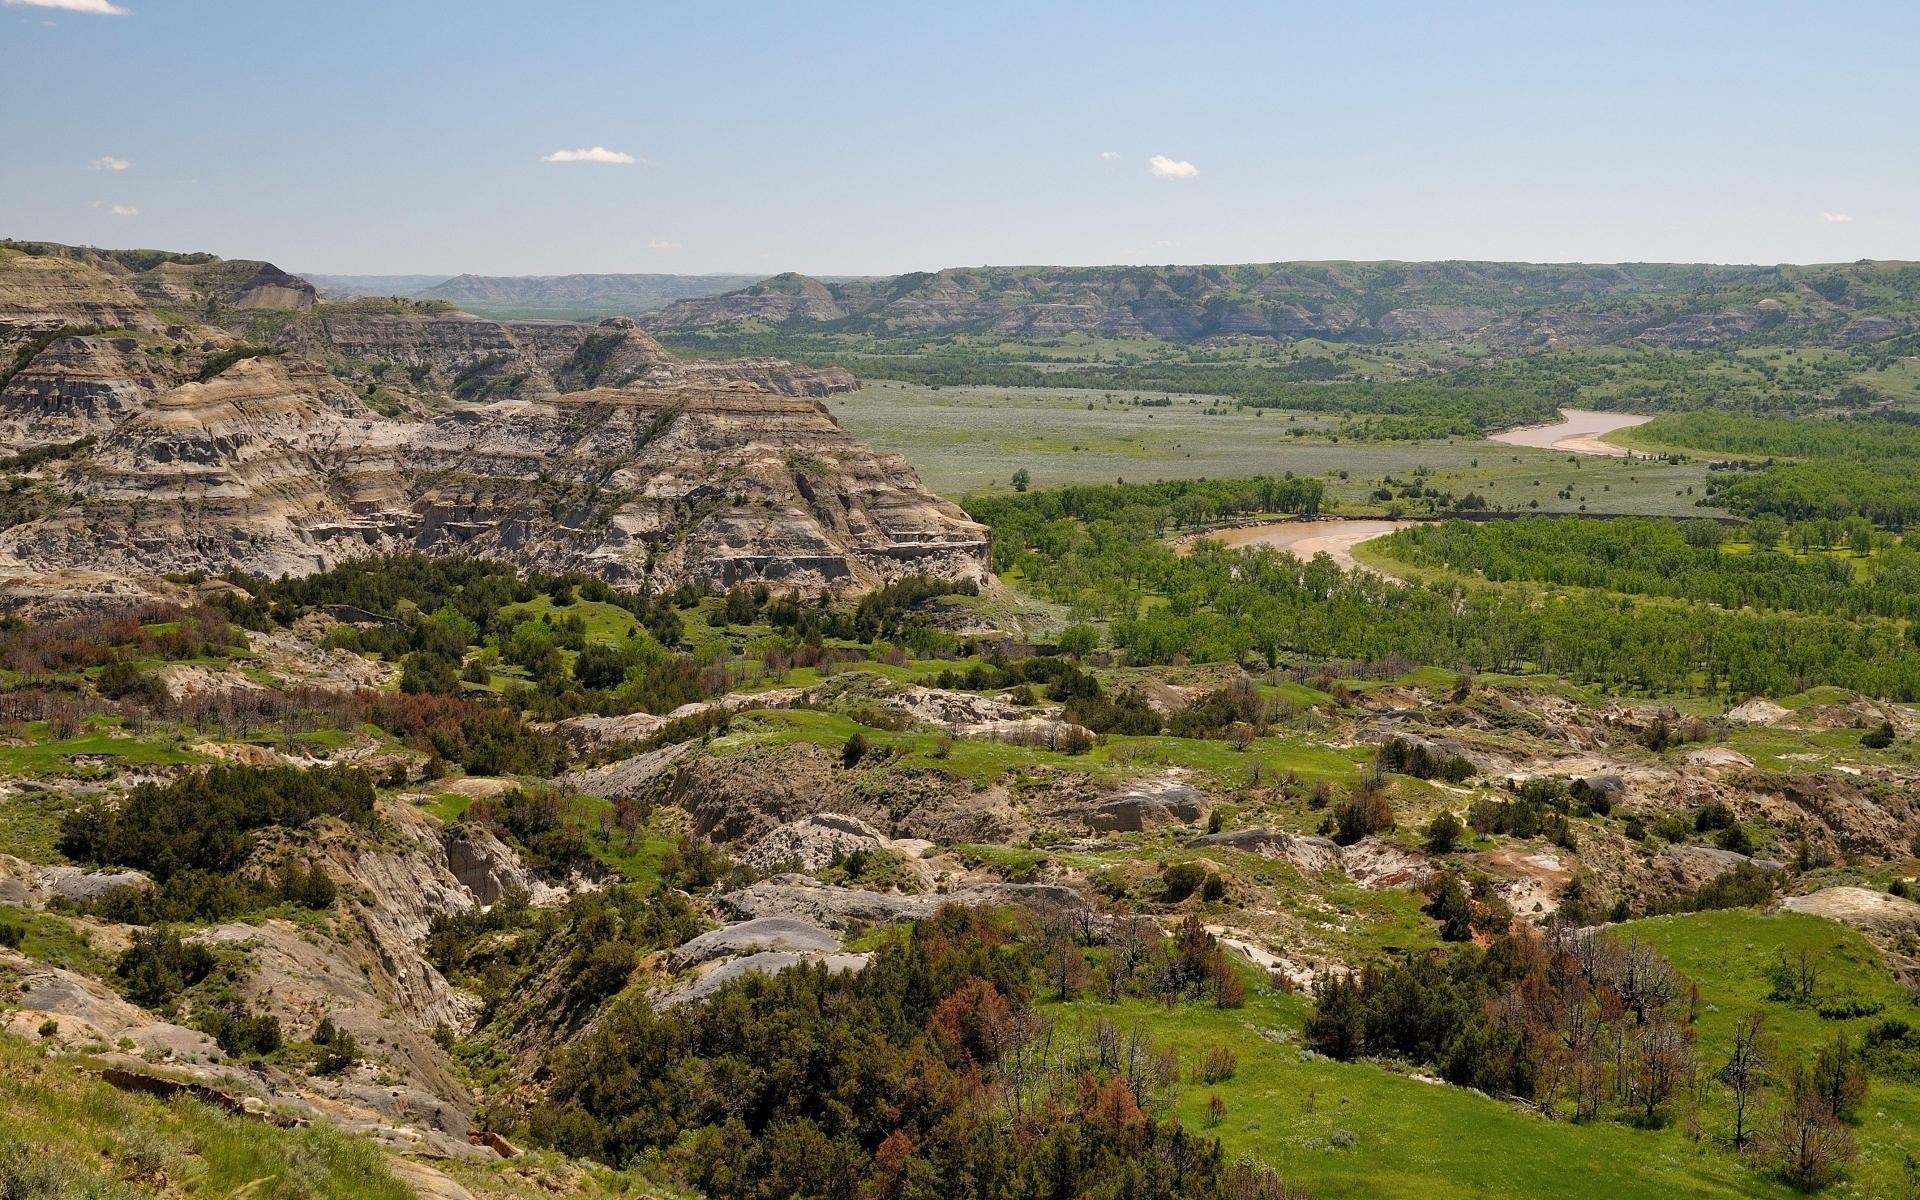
(422, 136)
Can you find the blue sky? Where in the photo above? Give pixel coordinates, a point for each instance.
(841, 138)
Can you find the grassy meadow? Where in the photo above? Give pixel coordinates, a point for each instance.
(969, 439)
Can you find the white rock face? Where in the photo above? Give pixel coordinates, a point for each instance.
(1874, 911)
(814, 842)
(89, 1011)
(1756, 712)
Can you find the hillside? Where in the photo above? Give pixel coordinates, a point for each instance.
(353, 287)
(178, 413)
(1493, 304)
(553, 297)
(580, 295)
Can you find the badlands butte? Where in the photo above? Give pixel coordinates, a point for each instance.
(499, 758)
(200, 414)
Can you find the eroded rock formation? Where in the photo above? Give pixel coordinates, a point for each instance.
(200, 414)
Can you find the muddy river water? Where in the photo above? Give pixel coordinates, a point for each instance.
(1579, 430)
(1304, 539)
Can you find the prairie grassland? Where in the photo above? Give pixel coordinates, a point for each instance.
(968, 439)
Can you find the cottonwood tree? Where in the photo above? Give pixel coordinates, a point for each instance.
(1839, 1078)
(1745, 1073)
(1809, 1143)
(1066, 965)
(1797, 976)
(1130, 947)
(1660, 1065)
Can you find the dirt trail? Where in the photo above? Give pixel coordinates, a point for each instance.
(1579, 431)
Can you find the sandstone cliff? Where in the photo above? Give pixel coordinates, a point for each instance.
(278, 435)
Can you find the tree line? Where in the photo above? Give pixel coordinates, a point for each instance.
(1681, 560)
(1215, 605)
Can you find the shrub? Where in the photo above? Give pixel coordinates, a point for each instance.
(340, 1050)
(855, 749)
(308, 886)
(605, 968)
(693, 865)
(1735, 838)
(1443, 833)
(1711, 817)
(1218, 1064)
(158, 966)
(206, 821)
(1361, 815)
(1180, 880)
(241, 1033)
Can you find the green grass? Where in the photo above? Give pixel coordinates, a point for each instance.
(44, 756)
(56, 941)
(638, 861)
(30, 825)
(984, 760)
(1418, 1139)
(604, 622)
(967, 439)
(64, 1133)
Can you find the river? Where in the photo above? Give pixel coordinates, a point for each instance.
(1579, 430)
(1304, 539)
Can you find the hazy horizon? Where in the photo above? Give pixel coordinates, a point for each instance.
(864, 139)
(1091, 266)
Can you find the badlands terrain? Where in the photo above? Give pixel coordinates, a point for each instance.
(452, 757)
(215, 416)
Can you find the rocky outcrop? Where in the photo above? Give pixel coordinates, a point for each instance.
(33, 885)
(745, 937)
(715, 975)
(87, 1012)
(1688, 867)
(549, 444)
(813, 843)
(720, 487)
(802, 898)
(1373, 863)
(363, 989)
(80, 386)
(1875, 912)
(42, 294)
(1307, 853)
(573, 294)
(436, 354)
(740, 796)
(1151, 803)
(272, 467)
(488, 868)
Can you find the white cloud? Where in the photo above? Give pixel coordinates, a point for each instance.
(592, 154)
(1110, 155)
(657, 244)
(99, 8)
(109, 163)
(125, 210)
(1836, 217)
(1171, 168)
